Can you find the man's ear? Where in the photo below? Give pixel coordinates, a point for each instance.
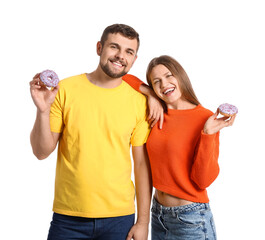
(99, 48)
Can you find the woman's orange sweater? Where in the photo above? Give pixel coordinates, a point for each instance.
(184, 160)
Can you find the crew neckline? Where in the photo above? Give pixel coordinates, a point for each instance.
(98, 88)
(178, 111)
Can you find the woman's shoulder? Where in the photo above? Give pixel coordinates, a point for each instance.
(204, 111)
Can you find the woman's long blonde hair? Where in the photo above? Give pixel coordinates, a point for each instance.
(178, 72)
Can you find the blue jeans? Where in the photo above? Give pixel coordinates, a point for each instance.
(68, 227)
(189, 222)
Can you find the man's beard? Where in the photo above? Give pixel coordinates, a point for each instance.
(111, 74)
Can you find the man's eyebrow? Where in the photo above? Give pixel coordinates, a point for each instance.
(117, 45)
(131, 50)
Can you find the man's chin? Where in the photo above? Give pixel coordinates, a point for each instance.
(115, 75)
(119, 75)
(112, 74)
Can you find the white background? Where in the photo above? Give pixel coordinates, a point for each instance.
(221, 45)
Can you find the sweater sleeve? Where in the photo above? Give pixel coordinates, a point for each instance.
(205, 168)
(133, 81)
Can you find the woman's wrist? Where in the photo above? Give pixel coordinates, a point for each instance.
(146, 90)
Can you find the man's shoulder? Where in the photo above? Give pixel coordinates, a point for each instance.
(133, 93)
(69, 81)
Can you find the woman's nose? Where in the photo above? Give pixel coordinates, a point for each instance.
(163, 83)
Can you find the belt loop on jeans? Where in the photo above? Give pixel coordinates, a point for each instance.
(207, 206)
(160, 209)
(173, 212)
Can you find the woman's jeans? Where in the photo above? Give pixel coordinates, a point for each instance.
(189, 222)
(68, 227)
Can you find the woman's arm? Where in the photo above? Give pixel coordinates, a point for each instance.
(205, 168)
(155, 108)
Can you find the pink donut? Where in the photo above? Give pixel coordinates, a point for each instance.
(228, 110)
(49, 78)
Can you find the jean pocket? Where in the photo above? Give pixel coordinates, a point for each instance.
(158, 222)
(213, 227)
(191, 219)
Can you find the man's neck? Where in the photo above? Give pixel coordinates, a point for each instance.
(100, 79)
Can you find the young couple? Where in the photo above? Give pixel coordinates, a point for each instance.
(95, 117)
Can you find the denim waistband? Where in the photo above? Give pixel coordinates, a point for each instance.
(157, 207)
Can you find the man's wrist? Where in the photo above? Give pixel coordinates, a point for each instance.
(45, 112)
(143, 220)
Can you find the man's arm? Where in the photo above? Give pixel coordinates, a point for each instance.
(143, 185)
(43, 141)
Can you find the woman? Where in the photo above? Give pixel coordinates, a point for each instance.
(183, 156)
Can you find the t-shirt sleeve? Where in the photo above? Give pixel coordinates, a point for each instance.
(56, 114)
(133, 81)
(142, 128)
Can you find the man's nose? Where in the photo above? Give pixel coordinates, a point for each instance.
(119, 55)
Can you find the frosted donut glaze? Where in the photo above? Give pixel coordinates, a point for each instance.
(49, 78)
(228, 109)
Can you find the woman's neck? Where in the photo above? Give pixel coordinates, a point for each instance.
(181, 104)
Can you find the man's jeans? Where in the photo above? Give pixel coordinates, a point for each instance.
(68, 227)
(189, 222)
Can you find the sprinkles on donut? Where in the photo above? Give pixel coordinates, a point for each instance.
(228, 110)
(49, 78)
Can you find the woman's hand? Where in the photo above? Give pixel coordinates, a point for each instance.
(214, 124)
(156, 111)
(155, 107)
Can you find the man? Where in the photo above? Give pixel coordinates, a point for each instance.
(95, 118)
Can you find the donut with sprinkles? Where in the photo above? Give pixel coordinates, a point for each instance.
(228, 110)
(49, 78)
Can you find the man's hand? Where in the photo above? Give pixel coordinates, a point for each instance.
(41, 95)
(139, 231)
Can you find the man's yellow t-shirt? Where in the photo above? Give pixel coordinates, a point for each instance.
(97, 126)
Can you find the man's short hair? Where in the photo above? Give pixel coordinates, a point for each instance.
(123, 29)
